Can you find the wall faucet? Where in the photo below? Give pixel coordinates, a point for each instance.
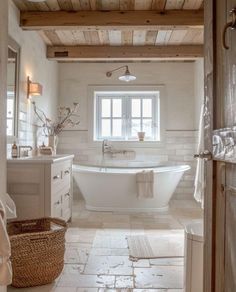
(25, 153)
(105, 147)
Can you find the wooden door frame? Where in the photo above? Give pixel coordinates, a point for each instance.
(213, 23)
(3, 92)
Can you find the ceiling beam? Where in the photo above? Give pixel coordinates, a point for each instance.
(88, 20)
(101, 53)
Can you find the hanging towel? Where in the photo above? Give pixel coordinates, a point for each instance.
(145, 182)
(199, 183)
(5, 250)
(10, 207)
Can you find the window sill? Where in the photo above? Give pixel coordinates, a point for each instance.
(129, 143)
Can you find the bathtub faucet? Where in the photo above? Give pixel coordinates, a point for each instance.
(105, 147)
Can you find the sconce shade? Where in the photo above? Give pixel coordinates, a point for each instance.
(33, 88)
(127, 76)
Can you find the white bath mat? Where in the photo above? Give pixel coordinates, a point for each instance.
(154, 246)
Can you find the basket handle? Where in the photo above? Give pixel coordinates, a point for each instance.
(29, 224)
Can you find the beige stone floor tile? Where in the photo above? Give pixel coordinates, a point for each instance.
(124, 282)
(87, 290)
(150, 290)
(115, 290)
(109, 251)
(167, 262)
(80, 235)
(162, 277)
(86, 281)
(141, 264)
(116, 225)
(44, 288)
(109, 241)
(75, 255)
(73, 268)
(109, 265)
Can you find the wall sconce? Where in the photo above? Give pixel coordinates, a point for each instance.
(127, 77)
(33, 88)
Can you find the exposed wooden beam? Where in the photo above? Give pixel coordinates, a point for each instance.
(67, 53)
(87, 20)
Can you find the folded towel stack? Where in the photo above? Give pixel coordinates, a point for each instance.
(145, 184)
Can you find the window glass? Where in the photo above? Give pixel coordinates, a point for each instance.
(106, 128)
(117, 128)
(106, 108)
(136, 108)
(117, 108)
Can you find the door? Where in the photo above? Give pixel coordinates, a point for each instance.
(220, 219)
(3, 91)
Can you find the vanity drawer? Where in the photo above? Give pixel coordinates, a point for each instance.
(57, 207)
(60, 176)
(66, 205)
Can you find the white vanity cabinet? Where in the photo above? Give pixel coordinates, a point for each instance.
(41, 186)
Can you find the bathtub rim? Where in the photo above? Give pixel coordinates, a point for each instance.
(76, 167)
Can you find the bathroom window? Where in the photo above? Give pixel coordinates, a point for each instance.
(121, 115)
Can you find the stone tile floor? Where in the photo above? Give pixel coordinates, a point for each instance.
(97, 258)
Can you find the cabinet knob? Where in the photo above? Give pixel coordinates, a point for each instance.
(56, 176)
(66, 172)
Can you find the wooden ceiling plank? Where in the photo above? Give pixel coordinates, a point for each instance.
(76, 5)
(143, 5)
(111, 20)
(127, 38)
(103, 37)
(151, 37)
(174, 4)
(110, 4)
(163, 37)
(65, 5)
(53, 37)
(93, 4)
(192, 4)
(139, 37)
(30, 5)
(127, 4)
(193, 36)
(45, 38)
(66, 37)
(158, 4)
(85, 5)
(20, 5)
(92, 37)
(177, 37)
(42, 6)
(53, 5)
(78, 37)
(123, 52)
(115, 37)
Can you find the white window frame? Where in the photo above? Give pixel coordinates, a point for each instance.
(91, 109)
(126, 98)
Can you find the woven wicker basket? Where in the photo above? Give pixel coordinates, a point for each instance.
(38, 248)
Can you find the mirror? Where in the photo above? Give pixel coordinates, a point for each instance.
(12, 88)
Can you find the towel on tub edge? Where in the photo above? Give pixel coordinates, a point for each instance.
(145, 184)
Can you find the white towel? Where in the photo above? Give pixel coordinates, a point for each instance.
(10, 207)
(5, 251)
(199, 183)
(145, 183)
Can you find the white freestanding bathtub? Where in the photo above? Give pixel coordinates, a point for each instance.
(114, 188)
